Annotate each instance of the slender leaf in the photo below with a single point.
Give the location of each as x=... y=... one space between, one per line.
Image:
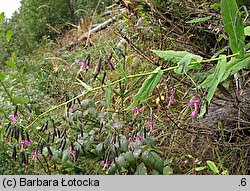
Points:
x=86 y=86
x=147 y=88
x=9 y=35
x=200 y=168
x=107 y=94
x=1 y=17
x=218 y=74
x=233 y=25
x=199 y=20
x=212 y=167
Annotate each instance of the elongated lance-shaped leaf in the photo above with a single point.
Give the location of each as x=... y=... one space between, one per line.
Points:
x=218 y=74
x=232 y=67
x=176 y=56
x=107 y=94
x=233 y=25
x=147 y=88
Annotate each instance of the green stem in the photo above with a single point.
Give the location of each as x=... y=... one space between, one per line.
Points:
x=115 y=82
x=11 y=99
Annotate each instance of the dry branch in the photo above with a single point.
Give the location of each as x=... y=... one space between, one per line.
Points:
x=94 y=30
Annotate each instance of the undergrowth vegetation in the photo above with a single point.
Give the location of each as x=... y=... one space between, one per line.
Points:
x=148 y=92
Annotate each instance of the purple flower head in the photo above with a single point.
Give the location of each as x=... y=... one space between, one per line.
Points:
x=139 y=138
x=194 y=101
x=131 y=139
x=81 y=63
x=136 y=110
x=197 y=107
x=151 y=123
x=25 y=143
x=106 y=164
x=14 y=117
x=72 y=152
x=34 y=154
x=194 y=114
x=171 y=98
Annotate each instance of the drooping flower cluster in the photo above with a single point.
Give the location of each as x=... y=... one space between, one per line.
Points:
x=83 y=65
x=35 y=155
x=106 y=164
x=136 y=110
x=197 y=107
x=138 y=138
x=151 y=124
x=73 y=153
x=171 y=98
x=25 y=143
x=14 y=117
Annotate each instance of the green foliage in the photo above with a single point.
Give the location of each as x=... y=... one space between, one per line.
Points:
x=199 y=20
x=212 y=167
x=233 y=25
x=147 y=88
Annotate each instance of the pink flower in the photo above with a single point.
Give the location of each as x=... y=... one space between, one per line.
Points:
x=140 y=139
x=73 y=153
x=83 y=65
x=35 y=155
x=151 y=123
x=106 y=164
x=197 y=107
x=136 y=110
x=171 y=98
x=25 y=143
x=131 y=139
x=14 y=117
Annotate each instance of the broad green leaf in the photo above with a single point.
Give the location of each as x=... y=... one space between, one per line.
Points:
x=184 y=63
x=147 y=88
x=1 y=17
x=11 y=64
x=247 y=31
x=167 y=170
x=218 y=74
x=168 y=161
x=212 y=167
x=199 y=20
x=232 y=67
x=153 y=159
x=141 y=169
x=121 y=162
x=2 y=76
x=200 y=168
x=236 y=65
x=66 y=155
x=129 y=156
x=20 y=100
x=233 y=25
x=175 y=56
x=9 y=35
x=107 y=94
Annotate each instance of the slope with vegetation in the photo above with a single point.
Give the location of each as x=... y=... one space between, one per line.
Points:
x=125 y=87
